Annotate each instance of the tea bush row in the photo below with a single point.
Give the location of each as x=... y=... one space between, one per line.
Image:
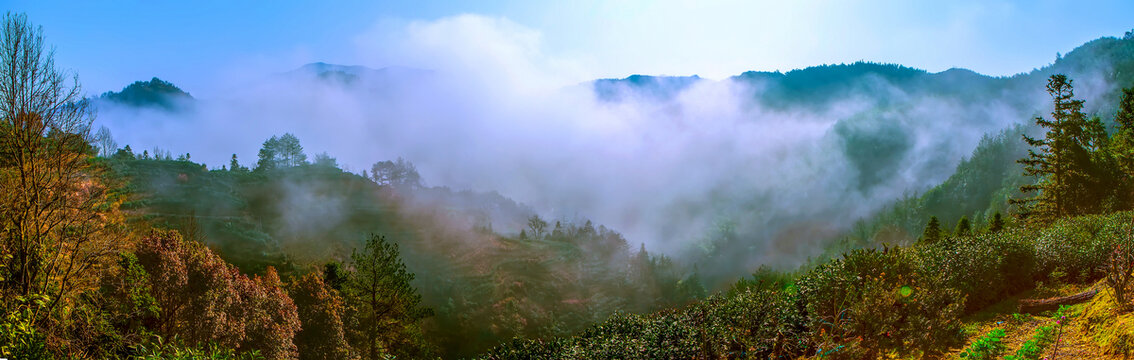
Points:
x=865 y=304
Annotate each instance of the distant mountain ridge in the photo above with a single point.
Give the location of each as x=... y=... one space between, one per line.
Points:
x=1113 y=57
x=807 y=86
x=353 y=74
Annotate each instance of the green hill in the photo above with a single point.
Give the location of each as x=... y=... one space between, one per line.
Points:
x=154 y=93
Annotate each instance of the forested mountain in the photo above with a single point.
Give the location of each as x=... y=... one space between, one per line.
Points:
x=883 y=133
x=552 y=279
x=836 y=187
x=898 y=129
x=887 y=138
x=362 y=77
x=1108 y=58
x=155 y=93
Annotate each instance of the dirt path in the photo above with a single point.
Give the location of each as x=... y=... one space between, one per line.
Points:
x=1076 y=344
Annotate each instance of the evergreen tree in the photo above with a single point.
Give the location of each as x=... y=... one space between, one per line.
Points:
x=290 y=152
x=1067 y=166
x=325 y=160
x=996 y=224
x=334 y=275
x=398 y=173
x=557 y=233
x=268 y=155
x=932 y=233
x=124 y=154
x=1122 y=146
x=964 y=228
x=234 y=165
x=281 y=152
x=387 y=308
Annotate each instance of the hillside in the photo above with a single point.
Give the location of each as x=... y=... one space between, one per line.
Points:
x=1109 y=58
x=906 y=302
x=851 y=211
x=483 y=287
x=155 y=93
x=869 y=134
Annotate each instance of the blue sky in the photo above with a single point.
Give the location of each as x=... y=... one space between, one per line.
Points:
x=196 y=44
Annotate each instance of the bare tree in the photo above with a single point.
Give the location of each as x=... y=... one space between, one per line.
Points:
x=537 y=225
x=105 y=142
x=55 y=212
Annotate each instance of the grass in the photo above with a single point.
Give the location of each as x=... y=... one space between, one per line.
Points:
x=1033 y=336
x=988 y=347
x=1108 y=328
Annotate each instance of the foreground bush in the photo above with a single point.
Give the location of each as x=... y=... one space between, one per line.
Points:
x=988 y=347
x=872 y=301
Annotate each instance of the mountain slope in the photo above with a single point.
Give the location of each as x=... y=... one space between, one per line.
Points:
x=154 y=93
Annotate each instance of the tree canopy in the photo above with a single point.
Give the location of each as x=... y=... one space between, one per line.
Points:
x=281 y=152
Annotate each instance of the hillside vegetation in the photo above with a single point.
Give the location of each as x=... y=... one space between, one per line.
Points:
x=106 y=252
x=907 y=301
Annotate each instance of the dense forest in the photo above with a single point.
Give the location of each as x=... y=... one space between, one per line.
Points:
x=112 y=252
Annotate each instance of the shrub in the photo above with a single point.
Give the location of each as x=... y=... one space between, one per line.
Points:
x=1079 y=246
x=869 y=303
x=1120 y=271
x=19 y=338
x=761 y=324
x=1033 y=348
x=872 y=301
x=157 y=348
x=984 y=268
x=988 y=347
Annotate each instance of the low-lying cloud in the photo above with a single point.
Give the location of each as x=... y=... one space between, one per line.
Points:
x=489 y=111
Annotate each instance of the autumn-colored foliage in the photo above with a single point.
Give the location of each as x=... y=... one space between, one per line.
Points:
x=321 y=312
x=57 y=216
x=204 y=299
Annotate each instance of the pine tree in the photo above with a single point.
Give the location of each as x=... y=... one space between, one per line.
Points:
x=1066 y=164
x=234 y=165
x=281 y=152
x=1122 y=146
x=399 y=173
x=996 y=224
x=964 y=228
x=290 y=152
x=268 y=155
x=932 y=233
x=387 y=307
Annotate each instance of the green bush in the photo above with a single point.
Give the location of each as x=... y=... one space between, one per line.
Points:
x=759 y=324
x=865 y=304
x=1079 y=246
x=158 y=348
x=985 y=268
x=872 y=301
x=19 y=339
x=1033 y=348
x=988 y=347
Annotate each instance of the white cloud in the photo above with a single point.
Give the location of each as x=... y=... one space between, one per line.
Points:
x=495 y=114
